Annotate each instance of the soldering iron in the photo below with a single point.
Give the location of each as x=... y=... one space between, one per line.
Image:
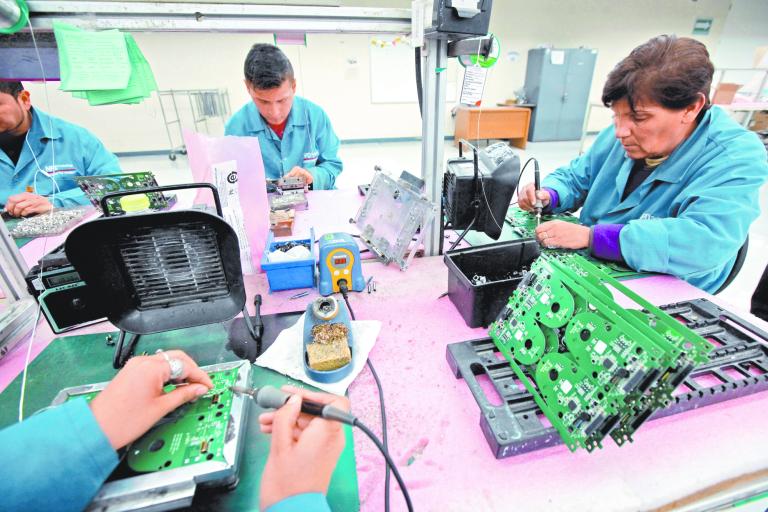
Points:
x=537 y=206
x=269 y=397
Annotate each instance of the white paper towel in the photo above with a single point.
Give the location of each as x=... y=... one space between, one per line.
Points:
x=286 y=354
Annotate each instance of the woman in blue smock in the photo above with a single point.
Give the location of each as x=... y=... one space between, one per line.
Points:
x=672 y=186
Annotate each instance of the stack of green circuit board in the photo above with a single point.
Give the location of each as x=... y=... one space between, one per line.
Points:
x=593 y=367
x=524 y=225
x=193 y=433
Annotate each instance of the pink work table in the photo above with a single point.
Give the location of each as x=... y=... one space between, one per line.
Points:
x=433 y=420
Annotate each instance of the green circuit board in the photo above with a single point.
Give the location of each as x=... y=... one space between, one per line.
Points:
x=524 y=224
x=193 y=433
x=594 y=368
x=96 y=187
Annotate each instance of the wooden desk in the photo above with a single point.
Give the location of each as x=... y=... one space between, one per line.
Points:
x=495 y=123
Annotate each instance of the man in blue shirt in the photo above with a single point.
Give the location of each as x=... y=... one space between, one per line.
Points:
x=40 y=155
x=295 y=135
x=58 y=459
x=672 y=186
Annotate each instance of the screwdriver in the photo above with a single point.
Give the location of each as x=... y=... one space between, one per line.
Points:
x=269 y=397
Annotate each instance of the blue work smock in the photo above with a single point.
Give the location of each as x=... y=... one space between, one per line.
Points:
x=59 y=459
x=308 y=142
x=55 y=460
x=690 y=216
x=59 y=152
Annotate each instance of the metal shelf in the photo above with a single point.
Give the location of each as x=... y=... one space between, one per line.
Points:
x=205 y=17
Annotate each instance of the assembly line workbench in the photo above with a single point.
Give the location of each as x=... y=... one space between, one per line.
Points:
x=433 y=420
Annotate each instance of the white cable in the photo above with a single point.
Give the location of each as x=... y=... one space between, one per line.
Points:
x=480 y=113
x=40 y=170
x=26 y=363
x=53 y=199
x=488 y=205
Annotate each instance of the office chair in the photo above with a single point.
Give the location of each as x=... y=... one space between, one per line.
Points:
x=740 y=257
x=759 y=306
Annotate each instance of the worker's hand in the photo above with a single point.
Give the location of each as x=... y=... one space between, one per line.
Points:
x=559 y=234
x=134 y=401
x=301 y=173
x=304 y=448
x=27 y=203
x=527 y=198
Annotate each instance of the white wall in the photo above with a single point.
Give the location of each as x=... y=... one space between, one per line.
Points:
x=198 y=61
x=212 y=60
x=745 y=29
x=612 y=27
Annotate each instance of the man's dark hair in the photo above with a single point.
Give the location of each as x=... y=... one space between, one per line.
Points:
x=267 y=67
x=12 y=88
x=667 y=70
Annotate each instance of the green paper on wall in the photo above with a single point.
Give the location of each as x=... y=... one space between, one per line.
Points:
x=140 y=86
x=105 y=67
x=91 y=60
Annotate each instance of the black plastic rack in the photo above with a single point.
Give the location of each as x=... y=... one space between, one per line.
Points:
x=515 y=425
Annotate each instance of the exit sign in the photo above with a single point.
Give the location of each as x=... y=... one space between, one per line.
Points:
x=701 y=26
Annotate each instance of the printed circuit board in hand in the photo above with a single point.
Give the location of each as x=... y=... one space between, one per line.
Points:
x=193 y=433
x=524 y=225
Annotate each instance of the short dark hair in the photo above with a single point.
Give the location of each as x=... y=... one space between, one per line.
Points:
x=12 y=88
x=267 y=67
x=667 y=70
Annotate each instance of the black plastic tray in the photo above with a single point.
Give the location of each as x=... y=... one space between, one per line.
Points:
x=501 y=265
x=738 y=366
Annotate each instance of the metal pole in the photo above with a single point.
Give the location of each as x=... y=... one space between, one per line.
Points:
x=218 y=17
x=20 y=311
x=434 y=63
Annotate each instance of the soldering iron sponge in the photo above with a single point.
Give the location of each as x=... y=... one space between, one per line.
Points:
x=329 y=349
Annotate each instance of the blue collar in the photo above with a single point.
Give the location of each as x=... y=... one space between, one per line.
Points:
x=296 y=117
x=43 y=126
x=679 y=162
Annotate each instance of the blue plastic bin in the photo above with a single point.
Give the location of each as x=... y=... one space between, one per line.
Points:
x=289 y=275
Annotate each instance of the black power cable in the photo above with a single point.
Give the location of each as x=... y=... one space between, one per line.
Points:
x=269 y=397
x=345 y=293
x=520 y=176
x=419 y=86
x=390 y=463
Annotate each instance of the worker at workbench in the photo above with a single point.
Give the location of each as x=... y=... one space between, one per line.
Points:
x=58 y=459
x=41 y=154
x=295 y=135
x=672 y=186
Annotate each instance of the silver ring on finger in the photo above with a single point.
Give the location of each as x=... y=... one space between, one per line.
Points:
x=176 y=365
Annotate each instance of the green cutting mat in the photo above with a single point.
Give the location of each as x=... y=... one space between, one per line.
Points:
x=77 y=360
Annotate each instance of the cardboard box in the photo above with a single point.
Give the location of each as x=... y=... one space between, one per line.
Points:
x=759 y=121
x=724 y=93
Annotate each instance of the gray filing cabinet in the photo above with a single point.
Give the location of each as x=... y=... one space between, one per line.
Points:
x=558 y=82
